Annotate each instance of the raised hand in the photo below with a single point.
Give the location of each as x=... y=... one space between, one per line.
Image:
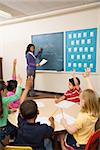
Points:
x=40 y=49
x=74 y=73
x=19 y=80
x=29 y=82
x=86 y=73
x=15 y=61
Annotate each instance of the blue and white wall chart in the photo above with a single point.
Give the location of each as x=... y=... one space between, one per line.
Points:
x=81 y=49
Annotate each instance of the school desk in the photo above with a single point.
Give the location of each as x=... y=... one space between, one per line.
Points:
x=47 y=108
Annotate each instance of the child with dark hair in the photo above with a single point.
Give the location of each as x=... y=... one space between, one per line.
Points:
x=11 y=87
x=73 y=93
x=6 y=128
x=30 y=132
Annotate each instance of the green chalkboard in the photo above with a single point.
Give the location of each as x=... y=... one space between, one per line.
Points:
x=53 y=50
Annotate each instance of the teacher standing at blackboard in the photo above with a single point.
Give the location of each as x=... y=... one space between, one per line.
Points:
x=31 y=63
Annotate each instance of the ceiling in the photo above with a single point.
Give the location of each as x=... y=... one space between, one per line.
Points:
x=24 y=8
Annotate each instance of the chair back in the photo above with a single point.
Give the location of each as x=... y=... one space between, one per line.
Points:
x=94 y=141
x=18 y=148
x=97 y=125
x=68 y=147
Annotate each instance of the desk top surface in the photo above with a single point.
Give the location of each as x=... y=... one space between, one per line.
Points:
x=48 y=108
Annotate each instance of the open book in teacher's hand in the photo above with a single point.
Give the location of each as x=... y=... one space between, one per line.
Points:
x=43 y=61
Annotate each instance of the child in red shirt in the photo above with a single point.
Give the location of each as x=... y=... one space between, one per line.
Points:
x=73 y=93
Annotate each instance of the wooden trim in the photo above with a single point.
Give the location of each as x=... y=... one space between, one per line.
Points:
x=1 y=69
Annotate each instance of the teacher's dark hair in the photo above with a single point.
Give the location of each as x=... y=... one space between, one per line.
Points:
x=28 y=48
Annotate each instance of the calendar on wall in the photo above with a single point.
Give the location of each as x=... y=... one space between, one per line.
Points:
x=81 y=50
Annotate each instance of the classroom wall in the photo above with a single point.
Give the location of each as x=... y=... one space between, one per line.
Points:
x=14 y=39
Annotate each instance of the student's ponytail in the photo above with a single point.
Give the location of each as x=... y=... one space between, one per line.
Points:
x=1 y=107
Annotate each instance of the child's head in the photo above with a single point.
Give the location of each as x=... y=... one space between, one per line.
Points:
x=72 y=83
x=11 y=85
x=30 y=48
x=89 y=102
x=29 y=109
x=78 y=81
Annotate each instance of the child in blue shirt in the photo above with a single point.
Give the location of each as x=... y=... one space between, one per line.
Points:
x=30 y=132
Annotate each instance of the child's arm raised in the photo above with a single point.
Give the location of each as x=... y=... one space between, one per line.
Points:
x=14 y=69
x=86 y=76
x=28 y=85
x=17 y=94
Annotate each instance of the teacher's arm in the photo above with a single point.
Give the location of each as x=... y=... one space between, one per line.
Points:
x=39 y=53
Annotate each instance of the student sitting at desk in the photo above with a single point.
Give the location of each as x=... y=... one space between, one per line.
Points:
x=6 y=128
x=84 y=126
x=73 y=93
x=30 y=132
